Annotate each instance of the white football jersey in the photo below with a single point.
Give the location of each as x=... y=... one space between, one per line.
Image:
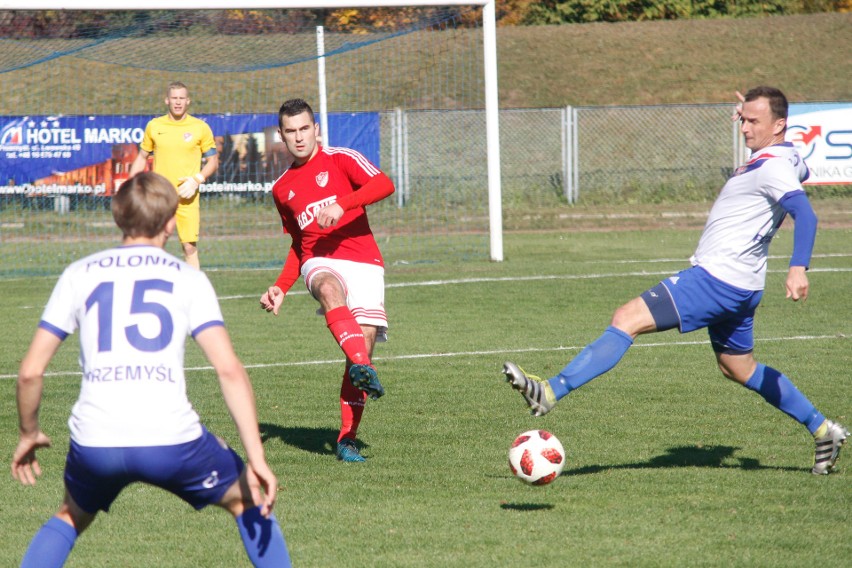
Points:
x=747 y=214
x=134 y=307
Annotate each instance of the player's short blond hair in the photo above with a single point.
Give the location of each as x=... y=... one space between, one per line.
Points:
x=176 y=85
x=144 y=204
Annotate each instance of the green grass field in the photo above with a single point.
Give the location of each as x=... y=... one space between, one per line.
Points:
x=669 y=464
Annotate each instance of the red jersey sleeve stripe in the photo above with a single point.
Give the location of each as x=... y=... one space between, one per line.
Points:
x=365 y=164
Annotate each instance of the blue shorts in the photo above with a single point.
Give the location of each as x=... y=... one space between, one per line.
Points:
x=693 y=299
x=199 y=472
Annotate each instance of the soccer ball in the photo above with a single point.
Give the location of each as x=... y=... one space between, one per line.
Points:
x=536 y=457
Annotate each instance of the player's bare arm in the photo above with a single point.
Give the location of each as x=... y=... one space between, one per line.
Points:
x=25 y=466
x=210 y=166
x=272 y=299
x=738 y=110
x=260 y=475
x=797 y=283
x=239 y=398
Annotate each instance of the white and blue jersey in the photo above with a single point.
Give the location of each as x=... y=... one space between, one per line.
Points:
x=134 y=307
x=748 y=212
x=725 y=284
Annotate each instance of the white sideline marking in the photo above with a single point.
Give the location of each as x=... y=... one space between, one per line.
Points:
x=771 y=256
x=532 y=278
x=495 y=352
x=510 y=279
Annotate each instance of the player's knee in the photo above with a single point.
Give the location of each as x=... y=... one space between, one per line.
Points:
x=71 y=513
x=620 y=317
x=726 y=371
x=738 y=368
x=634 y=318
x=328 y=290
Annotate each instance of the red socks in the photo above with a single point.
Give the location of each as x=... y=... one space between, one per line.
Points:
x=352 y=401
x=350 y=337
x=348 y=334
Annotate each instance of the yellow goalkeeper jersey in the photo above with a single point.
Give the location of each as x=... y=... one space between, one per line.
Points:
x=177 y=146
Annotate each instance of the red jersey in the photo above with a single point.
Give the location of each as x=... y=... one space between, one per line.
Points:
x=302 y=191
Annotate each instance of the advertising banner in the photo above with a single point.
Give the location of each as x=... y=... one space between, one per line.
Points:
x=91 y=155
x=822 y=132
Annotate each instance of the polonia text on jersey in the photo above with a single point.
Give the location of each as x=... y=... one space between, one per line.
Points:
x=132 y=261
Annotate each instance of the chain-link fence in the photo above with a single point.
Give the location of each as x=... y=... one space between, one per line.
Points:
x=651 y=154
x=553 y=157
x=634 y=154
x=550 y=159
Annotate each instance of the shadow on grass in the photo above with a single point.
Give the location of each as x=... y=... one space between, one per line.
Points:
x=526 y=506
x=688 y=456
x=321 y=441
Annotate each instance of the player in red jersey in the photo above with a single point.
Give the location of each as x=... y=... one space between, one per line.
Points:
x=321 y=199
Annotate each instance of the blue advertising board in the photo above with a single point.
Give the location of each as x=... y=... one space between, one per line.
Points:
x=38 y=148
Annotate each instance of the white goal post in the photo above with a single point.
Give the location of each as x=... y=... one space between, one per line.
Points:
x=489 y=62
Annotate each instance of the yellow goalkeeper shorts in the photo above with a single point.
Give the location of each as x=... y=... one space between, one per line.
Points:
x=189 y=219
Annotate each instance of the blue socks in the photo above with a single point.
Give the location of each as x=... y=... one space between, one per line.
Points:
x=607 y=350
x=595 y=359
x=778 y=391
x=263 y=540
x=51 y=545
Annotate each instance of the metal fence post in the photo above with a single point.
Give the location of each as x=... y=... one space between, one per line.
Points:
x=568 y=153
x=575 y=157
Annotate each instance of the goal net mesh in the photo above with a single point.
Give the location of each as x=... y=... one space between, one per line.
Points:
x=404 y=86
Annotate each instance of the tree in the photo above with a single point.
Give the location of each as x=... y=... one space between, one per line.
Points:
x=581 y=11
x=512 y=12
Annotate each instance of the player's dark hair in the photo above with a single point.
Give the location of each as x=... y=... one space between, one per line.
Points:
x=777 y=101
x=144 y=204
x=294 y=107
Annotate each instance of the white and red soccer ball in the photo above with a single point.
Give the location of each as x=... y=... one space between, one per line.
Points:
x=536 y=457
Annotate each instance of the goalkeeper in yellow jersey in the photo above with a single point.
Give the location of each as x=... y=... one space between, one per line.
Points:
x=179 y=143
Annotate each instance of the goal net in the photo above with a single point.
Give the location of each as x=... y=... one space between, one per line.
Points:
x=404 y=86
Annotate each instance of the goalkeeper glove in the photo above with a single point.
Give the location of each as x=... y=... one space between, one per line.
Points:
x=189 y=186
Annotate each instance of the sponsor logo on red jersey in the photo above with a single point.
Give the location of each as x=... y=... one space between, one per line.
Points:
x=307 y=216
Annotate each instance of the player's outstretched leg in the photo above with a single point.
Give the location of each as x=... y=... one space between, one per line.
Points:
x=365 y=378
x=537 y=393
x=51 y=545
x=347 y=451
x=828 y=447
